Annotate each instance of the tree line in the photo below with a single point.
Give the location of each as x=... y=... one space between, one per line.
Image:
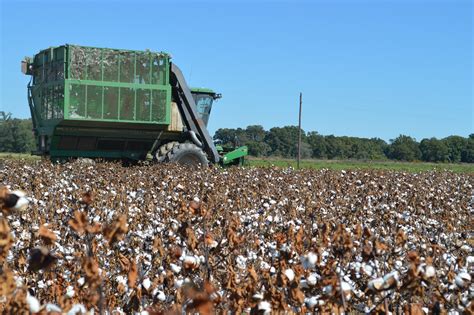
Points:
x=283 y=142
x=16 y=136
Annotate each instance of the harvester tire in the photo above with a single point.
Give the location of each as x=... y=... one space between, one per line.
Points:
x=187 y=154
x=163 y=151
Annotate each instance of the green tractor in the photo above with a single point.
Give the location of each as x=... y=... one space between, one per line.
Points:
x=89 y=102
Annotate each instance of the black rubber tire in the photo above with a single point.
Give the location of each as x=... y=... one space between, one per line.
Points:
x=187 y=154
x=163 y=151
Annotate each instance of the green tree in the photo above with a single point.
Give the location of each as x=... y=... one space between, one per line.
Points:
x=258 y=148
x=317 y=144
x=467 y=154
x=336 y=147
x=283 y=141
x=434 y=150
x=229 y=136
x=6 y=136
x=456 y=145
x=255 y=136
x=255 y=133
x=15 y=134
x=404 y=148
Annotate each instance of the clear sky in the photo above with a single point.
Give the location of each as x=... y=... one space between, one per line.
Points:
x=369 y=68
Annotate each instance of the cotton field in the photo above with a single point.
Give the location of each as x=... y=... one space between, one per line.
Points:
x=162 y=239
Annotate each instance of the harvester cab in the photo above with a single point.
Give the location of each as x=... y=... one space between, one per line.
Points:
x=204 y=98
x=118 y=104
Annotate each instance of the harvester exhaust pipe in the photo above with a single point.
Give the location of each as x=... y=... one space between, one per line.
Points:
x=195 y=139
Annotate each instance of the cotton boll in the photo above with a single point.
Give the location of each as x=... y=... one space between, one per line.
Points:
x=290 y=274
x=175 y=268
x=462 y=279
x=312 y=279
x=346 y=289
x=258 y=296
x=265 y=306
x=161 y=296
x=430 y=272
x=53 y=308
x=390 y=280
x=191 y=262
x=146 y=283
x=77 y=309
x=70 y=291
x=22 y=202
x=309 y=260
x=376 y=284
x=368 y=269
x=327 y=289
x=33 y=303
x=178 y=283
x=311 y=302
x=81 y=281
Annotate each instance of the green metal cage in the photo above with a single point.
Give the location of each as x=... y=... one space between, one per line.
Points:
x=78 y=83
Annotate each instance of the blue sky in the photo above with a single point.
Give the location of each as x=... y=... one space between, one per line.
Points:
x=368 y=68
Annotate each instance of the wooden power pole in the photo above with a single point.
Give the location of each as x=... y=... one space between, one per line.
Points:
x=299 y=133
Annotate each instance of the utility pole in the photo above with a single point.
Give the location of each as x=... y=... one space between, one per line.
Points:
x=299 y=133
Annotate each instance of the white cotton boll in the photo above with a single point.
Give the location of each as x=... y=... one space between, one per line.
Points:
x=311 y=302
x=265 y=306
x=258 y=296
x=312 y=279
x=175 y=268
x=304 y=284
x=77 y=309
x=191 y=262
x=120 y=279
x=33 y=303
x=212 y=244
x=144 y=313
x=161 y=296
x=22 y=202
x=391 y=279
x=430 y=272
x=146 y=283
x=346 y=286
x=327 y=289
x=376 y=284
x=309 y=260
x=81 y=281
x=346 y=289
x=470 y=260
x=70 y=291
x=466 y=248
x=462 y=279
x=241 y=262
x=52 y=308
x=368 y=269
x=290 y=274
x=178 y=283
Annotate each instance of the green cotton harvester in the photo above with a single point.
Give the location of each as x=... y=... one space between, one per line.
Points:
x=88 y=102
